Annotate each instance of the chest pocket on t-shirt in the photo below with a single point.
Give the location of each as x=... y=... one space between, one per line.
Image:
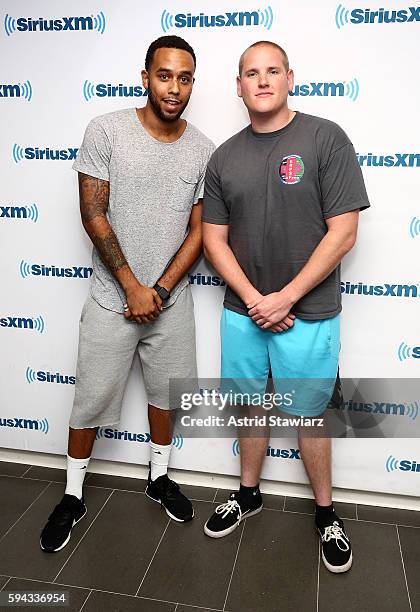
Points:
x=183 y=193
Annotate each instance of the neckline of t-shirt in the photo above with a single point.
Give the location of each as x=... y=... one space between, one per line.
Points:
x=141 y=127
x=281 y=131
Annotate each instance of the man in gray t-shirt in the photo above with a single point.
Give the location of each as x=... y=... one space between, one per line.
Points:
x=141 y=179
x=281 y=207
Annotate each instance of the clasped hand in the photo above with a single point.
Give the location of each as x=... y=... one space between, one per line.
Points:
x=272 y=312
x=143 y=305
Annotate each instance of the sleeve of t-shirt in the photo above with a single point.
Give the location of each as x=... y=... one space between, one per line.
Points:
x=342 y=185
x=199 y=190
x=95 y=153
x=215 y=210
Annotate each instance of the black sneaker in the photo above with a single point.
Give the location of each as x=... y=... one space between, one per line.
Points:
x=227 y=517
x=336 y=549
x=63 y=518
x=166 y=492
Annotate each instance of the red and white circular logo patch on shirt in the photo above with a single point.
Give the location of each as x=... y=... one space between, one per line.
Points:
x=291 y=169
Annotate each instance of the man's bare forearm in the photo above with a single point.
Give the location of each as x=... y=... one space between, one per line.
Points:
x=94 y=200
x=222 y=258
x=184 y=259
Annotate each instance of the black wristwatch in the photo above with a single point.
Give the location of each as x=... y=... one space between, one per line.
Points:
x=163 y=293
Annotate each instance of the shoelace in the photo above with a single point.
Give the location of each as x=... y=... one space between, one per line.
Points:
x=336 y=532
x=230 y=506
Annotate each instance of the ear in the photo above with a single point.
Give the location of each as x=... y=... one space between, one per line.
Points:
x=145 y=79
x=290 y=79
x=238 y=86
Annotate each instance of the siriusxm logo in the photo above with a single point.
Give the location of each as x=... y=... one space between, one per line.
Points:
x=349 y=89
x=407 y=352
x=40 y=425
x=263 y=18
x=395 y=160
x=35 y=323
x=29 y=211
x=18 y=90
x=368 y=16
x=414 y=227
x=409 y=410
x=63 y=24
x=19 y=153
x=277 y=453
x=27 y=269
x=107 y=90
x=406 y=465
x=49 y=377
x=128 y=436
x=206 y=279
x=384 y=290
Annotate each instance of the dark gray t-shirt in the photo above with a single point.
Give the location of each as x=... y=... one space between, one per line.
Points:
x=275 y=191
x=153 y=186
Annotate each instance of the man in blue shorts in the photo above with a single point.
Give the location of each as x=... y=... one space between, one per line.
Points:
x=281 y=207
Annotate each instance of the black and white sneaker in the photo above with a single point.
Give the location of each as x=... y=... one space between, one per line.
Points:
x=228 y=516
x=336 y=549
x=56 y=533
x=166 y=492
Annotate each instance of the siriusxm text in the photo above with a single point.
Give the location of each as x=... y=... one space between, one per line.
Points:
x=27 y=24
x=396 y=160
x=73 y=272
x=366 y=15
x=384 y=290
x=20 y=423
x=50 y=154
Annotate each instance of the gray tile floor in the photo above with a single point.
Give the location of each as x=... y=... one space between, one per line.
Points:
x=127 y=555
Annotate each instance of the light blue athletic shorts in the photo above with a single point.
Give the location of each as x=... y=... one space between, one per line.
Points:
x=303 y=361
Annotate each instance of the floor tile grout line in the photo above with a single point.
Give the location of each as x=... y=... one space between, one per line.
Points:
x=176 y=607
x=88 y=595
x=23 y=514
x=234 y=565
x=153 y=556
x=215 y=495
x=402 y=561
x=26 y=471
x=83 y=536
x=284 y=503
x=6 y=583
x=317 y=582
x=357 y=512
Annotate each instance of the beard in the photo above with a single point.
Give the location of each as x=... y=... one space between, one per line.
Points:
x=159 y=112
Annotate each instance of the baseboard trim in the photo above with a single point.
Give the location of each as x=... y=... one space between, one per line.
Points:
x=220 y=481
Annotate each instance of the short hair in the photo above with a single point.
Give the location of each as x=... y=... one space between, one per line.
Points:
x=167 y=42
x=260 y=43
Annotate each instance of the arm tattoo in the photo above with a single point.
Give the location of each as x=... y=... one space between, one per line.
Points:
x=110 y=251
x=94 y=199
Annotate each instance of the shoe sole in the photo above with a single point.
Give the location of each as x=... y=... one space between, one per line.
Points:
x=67 y=540
x=225 y=532
x=174 y=518
x=338 y=569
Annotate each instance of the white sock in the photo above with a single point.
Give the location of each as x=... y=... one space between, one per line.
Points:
x=159 y=459
x=76 y=471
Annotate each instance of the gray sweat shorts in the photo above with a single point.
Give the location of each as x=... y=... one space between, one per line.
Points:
x=107 y=344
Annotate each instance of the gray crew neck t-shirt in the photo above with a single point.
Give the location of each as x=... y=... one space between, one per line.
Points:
x=153 y=186
x=275 y=191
